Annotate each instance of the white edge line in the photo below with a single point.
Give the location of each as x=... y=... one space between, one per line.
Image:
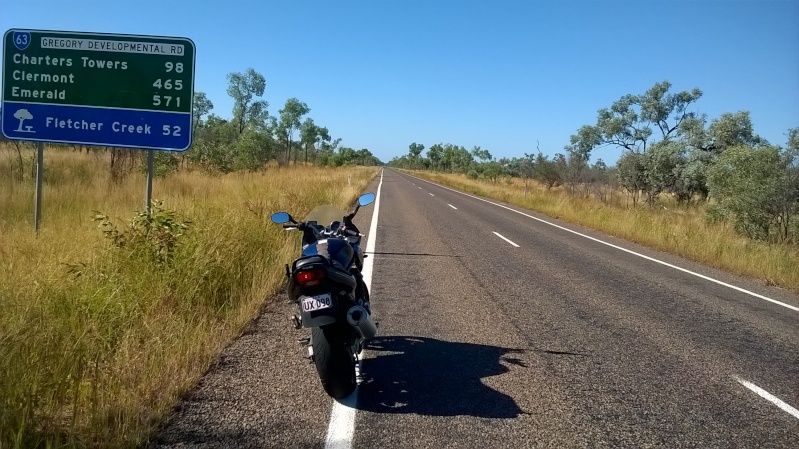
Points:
x=707 y=278
x=450 y=205
x=505 y=239
x=769 y=397
x=342 y=417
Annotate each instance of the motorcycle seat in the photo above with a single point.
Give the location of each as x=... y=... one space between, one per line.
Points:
x=310 y=260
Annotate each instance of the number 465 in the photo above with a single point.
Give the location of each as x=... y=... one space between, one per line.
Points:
x=172 y=130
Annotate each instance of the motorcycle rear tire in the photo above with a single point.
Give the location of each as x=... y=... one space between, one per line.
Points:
x=334 y=361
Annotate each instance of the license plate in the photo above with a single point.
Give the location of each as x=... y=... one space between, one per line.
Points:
x=317 y=302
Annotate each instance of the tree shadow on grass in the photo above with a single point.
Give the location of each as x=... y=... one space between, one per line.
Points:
x=432 y=377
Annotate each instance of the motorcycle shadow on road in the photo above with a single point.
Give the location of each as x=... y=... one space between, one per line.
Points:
x=427 y=376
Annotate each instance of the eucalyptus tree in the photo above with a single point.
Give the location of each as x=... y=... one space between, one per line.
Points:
x=290 y=121
x=244 y=89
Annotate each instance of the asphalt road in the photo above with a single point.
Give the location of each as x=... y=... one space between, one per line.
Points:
x=499 y=330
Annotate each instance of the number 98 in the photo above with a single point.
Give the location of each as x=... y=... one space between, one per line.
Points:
x=178 y=68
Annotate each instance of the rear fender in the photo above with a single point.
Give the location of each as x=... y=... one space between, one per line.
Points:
x=337 y=312
x=339 y=284
x=322 y=317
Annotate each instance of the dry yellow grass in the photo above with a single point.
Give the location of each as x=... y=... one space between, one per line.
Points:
x=96 y=342
x=679 y=230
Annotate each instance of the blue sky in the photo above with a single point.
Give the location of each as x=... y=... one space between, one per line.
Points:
x=381 y=74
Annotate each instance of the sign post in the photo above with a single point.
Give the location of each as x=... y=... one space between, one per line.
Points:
x=148 y=197
x=39 y=178
x=112 y=90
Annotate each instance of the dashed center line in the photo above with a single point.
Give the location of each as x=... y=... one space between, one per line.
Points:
x=505 y=239
x=769 y=397
x=450 y=205
x=629 y=251
x=432 y=194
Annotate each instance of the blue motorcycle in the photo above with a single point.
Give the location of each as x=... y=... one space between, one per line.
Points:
x=327 y=285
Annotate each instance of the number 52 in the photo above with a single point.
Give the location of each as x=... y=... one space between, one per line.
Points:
x=171 y=130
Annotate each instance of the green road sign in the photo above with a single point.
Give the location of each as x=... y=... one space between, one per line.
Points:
x=98 y=89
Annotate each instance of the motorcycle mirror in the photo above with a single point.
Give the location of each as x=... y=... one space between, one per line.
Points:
x=366 y=199
x=281 y=217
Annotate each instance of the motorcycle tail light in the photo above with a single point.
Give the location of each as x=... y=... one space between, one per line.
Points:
x=310 y=277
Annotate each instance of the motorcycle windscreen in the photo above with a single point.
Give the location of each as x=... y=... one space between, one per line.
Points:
x=326 y=214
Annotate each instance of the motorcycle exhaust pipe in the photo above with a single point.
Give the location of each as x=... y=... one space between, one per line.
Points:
x=360 y=319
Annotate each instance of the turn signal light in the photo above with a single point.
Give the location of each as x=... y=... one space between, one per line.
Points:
x=310 y=277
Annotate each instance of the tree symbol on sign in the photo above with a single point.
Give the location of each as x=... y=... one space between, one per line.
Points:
x=22 y=115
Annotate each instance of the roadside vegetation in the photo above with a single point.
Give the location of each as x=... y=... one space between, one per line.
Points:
x=709 y=190
x=111 y=313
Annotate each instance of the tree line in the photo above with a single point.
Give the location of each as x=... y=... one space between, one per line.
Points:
x=252 y=137
x=667 y=149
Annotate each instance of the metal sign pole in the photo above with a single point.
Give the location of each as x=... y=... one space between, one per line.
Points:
x=39 y=175
x=150 y=164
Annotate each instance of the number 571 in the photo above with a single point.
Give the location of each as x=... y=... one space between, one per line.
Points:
x=167 y=100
